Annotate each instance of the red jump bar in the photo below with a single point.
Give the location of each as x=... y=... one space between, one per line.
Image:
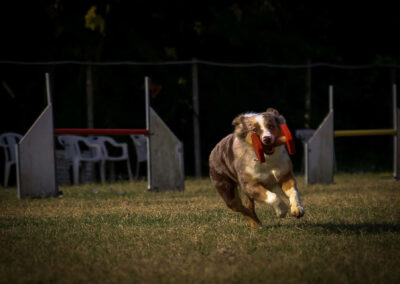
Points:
x=100 y=131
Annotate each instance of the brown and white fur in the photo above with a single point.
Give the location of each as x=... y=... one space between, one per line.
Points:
x=234 y=163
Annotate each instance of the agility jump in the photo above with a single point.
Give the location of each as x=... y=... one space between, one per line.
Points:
x=36 y=163
x=319 y=149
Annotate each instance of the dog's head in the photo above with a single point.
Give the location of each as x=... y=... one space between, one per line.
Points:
x=266 y=125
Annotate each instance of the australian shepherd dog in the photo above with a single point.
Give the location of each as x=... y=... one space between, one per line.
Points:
x=233 y=164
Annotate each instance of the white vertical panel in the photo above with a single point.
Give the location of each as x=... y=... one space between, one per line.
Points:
x=36 y=159
x=320 y=153
x=166 y=157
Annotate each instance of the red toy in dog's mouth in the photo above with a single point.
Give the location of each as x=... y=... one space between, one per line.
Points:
x=260 y=148
x=269 y=149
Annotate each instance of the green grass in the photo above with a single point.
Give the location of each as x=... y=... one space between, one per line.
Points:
x=350 y=234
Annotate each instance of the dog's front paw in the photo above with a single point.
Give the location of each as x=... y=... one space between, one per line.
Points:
x=297 y=211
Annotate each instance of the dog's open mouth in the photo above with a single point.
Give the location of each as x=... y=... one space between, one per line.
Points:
x=268 y=150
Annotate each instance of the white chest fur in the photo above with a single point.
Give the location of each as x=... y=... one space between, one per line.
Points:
x=274 y=167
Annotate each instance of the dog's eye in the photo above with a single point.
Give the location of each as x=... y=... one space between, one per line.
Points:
x=270 y=127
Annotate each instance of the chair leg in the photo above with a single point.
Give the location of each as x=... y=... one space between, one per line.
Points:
x=103 y=171
x=112 y=171
x=129 y=169
x=75 y=172
x=6 y=174
x=137 y=170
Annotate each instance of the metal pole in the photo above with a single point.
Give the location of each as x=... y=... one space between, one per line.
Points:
x=306 y=170
x=17 y=168
x=196 y=123
x=396 y=174
x=49 y=105
x=48 y=90
x=307 y=103
x=334 y=168
x=148 y=137
x=89 y=97
x=397 y=177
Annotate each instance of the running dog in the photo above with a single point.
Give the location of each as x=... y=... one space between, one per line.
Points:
x=233 y=163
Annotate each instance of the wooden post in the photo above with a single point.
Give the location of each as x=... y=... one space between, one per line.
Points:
x=307 y=105
x=196 y=122
x=397 y=152
x=397 y=149
x=396 y=138
x=89 y=97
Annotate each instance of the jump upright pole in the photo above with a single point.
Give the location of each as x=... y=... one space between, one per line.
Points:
x=322 y=150
x=36 y=170
x=48 y=88
x=147 y=99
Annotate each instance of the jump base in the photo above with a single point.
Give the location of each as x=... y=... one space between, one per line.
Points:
x=36 y=173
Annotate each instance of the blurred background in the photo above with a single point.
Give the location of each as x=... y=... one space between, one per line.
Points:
x=245 y=56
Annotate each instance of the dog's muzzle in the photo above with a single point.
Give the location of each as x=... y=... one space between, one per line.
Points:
x=268 y=146
x=267 y=140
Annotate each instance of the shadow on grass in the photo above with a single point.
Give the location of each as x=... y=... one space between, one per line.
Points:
x=349 y=229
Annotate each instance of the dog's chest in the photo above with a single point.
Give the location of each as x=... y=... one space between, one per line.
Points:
x=271 y=170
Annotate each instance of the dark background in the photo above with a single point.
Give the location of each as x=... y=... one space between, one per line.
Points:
x=358 y=38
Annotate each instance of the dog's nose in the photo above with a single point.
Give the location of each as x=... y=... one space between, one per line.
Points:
x=267 y=140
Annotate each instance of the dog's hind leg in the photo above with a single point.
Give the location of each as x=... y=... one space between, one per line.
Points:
x=229 y=193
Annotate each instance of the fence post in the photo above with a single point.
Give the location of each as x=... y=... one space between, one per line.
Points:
x=307 y=103
x=396 y=167
x=397 y=148
x=89 y=97
x=196 y=118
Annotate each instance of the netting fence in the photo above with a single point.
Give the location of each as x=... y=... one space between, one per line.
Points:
x=362 y=100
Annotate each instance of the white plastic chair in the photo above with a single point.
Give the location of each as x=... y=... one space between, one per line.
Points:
x=140 y=143
x=110 y=156
x=75 y=154
x=304 y=134
x=8 y=141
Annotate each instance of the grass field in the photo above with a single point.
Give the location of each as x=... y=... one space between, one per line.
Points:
x=120 y=233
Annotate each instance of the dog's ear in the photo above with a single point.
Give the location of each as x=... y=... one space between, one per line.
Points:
x=240 y=125
x=279 y=118
x=238 y=120
x=274 y=111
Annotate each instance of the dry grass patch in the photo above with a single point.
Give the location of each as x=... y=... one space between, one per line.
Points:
x=350 y=234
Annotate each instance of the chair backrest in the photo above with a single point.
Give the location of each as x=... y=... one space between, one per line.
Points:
x=8 y=141
x=73 y=149
x=304 y=134
x=140 y=143
x=102 y=141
